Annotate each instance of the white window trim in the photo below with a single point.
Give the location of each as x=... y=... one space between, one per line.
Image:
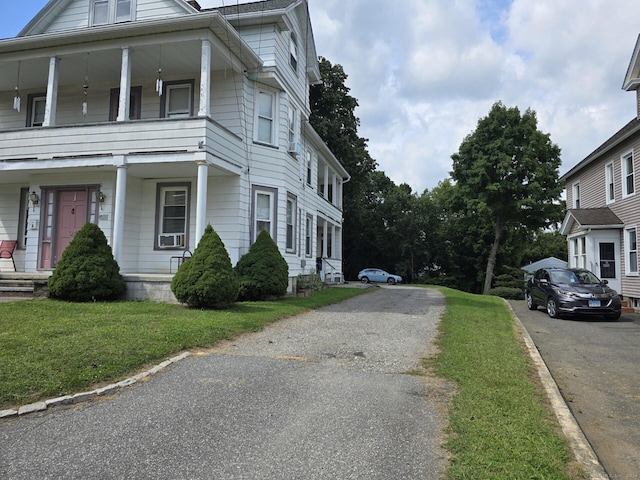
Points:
x=112 y=6
x=290 y=242
x=628 y=252
x=610 y=183
x=293 y=51
x=625 y=173
x=181 y=238
x=308 y=236
x=273 y=119
x=575 y=190
x=168 y=87
x=272 y=193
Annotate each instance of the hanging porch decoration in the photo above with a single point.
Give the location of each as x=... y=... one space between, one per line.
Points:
x=159 y=79
x=16 y=98
x=85 y=87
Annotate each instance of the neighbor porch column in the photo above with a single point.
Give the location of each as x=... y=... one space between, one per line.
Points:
x=325 y=236
x=119 y=207
x=51 y=104
x=125 y=86
x=201 y=200
x=205 y=79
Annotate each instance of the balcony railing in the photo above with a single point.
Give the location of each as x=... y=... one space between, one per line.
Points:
x=119 y=138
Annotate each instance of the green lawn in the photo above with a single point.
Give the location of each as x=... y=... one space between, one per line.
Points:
x=499 y=427
x=50 y=348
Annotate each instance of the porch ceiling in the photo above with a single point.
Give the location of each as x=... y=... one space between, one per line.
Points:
x=104 y=65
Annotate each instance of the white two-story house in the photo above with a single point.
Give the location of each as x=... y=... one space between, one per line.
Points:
x=154 y=118
x=602 y=222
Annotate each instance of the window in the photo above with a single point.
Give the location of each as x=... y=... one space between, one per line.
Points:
x=307 y=236
x=135 y=104
x=111 y=11
x=579 y=252
x=265 y=118
x=291 y=223
x=576 y=195
x=609 y=183
x=309 y=171
x=173 y=214
x=628 y=182
x=177 y=99
x=35 y=110
x=23 y=219
x=631 y=247
x=293 y=51
x=264 y=211
x=293 y=137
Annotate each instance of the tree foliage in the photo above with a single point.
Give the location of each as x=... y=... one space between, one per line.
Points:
x=207 y=279
x=87 y=270
x=263 y=271
x=507 y=173
x=491 y=215
x=333 y=118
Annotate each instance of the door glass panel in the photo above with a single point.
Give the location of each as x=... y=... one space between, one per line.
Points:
x=607 y=260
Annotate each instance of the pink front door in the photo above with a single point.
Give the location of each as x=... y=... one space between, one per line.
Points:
x=71 y=217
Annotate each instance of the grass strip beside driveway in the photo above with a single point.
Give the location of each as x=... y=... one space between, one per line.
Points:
x=50 y=348
x=500 y=428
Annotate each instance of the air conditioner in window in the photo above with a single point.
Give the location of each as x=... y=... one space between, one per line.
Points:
x=168 y=240
x=295 y=148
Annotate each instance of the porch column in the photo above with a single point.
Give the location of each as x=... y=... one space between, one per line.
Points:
x=325 y=175
x=201 y=200
x=125 y=86
x=205 y=79
x=325 y=235
x=334 y=183
x=51 y=104
x=118 y=213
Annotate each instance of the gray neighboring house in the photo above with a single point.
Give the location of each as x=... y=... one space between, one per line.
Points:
x=603 y=215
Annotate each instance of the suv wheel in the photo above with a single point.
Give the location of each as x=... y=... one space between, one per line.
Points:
x=552 y=308
x=531 y=304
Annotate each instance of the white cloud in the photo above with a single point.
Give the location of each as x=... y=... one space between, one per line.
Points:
x=425 y=71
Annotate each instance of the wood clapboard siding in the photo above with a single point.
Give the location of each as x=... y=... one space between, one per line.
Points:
x=76 y=15
x=593 y=195
x=147 y=9
x=118 y=138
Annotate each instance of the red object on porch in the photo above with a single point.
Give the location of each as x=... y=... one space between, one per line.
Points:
x=6 y=250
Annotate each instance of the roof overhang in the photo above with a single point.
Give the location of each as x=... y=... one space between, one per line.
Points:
x=570 y=220
x=212 y=21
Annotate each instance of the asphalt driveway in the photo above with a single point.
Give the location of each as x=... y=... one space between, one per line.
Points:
x=324 y=395
x=596 y=365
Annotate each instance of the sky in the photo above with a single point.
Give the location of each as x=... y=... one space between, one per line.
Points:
x=425 y=71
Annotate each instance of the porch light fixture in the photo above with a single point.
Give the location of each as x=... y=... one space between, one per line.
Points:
x=35 y=199
x=100 y=196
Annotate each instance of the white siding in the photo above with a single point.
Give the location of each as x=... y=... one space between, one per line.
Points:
x=76 y=15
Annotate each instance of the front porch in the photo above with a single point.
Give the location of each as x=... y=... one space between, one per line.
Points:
x=154 y=287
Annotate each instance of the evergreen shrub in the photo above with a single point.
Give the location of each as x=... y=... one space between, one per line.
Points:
x=263 y=271
x=87 y=270
x=207 y=279
x=508 y=293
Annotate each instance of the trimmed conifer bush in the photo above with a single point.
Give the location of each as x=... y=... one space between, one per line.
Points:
x=87 y=270
x=207 y=279
x=263 y=272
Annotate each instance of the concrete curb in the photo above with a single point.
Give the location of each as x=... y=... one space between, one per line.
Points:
x=579 y=444
x=84 y=396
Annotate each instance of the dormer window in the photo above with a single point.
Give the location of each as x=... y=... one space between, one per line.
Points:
x=111 y=11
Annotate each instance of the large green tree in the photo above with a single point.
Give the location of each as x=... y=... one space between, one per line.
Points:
x=507 y=173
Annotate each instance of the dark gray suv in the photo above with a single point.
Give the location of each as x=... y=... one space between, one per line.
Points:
x=572 y=291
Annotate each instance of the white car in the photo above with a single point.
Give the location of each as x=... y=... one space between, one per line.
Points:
x=377 y=275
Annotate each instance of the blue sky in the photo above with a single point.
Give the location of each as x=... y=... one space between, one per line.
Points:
x=425 y=71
